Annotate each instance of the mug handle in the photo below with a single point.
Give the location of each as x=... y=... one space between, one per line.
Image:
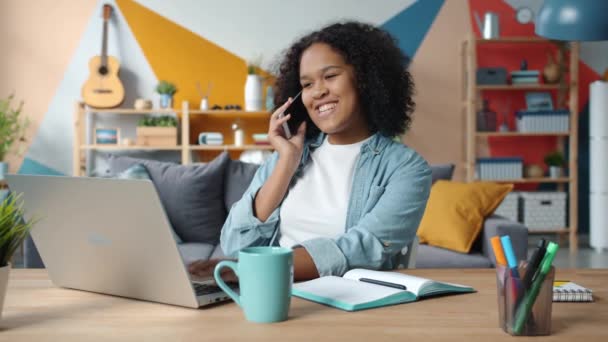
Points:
x=218 y=279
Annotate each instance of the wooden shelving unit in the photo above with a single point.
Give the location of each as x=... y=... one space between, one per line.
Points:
x=186 y=146
x=472 y=93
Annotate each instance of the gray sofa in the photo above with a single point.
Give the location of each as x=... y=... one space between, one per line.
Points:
x=211 y=189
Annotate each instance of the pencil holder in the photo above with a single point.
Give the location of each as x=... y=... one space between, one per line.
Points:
x=524 y=311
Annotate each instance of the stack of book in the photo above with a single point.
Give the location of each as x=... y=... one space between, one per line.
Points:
x=261 y=139
x=525 y=76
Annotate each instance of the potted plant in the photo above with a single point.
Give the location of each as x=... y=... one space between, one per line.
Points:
x=166 y=91
x=13 y=230
x=157 y=131
x=12 y=129
x=555 y=161
x=253 y=86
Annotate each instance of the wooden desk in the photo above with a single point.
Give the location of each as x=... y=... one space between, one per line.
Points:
x=35 y=310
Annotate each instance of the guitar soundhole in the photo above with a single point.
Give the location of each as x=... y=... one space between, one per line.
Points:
x=103 y=70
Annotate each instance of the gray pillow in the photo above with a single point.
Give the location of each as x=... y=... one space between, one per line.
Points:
x=237 y=179
x=442 y=171
x=192 y=195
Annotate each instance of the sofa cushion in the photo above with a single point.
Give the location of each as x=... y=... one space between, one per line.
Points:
x=236 y=180
x=192 y=195
x=436 y=257
x=455 y=212
x=442 y=171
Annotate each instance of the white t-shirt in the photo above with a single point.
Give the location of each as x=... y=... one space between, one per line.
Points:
x=316 y=206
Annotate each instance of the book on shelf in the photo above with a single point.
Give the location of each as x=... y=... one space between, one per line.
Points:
x=360 y=289
x=567 y=291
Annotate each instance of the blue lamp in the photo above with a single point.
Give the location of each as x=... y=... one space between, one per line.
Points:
x=573 y=20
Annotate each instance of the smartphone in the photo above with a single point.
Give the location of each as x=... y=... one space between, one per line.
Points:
x=298 y=115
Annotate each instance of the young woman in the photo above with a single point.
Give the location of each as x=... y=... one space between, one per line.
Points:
x=341 y=192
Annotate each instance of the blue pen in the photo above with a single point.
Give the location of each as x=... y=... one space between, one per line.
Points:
x=516 y=287
x=509 y=254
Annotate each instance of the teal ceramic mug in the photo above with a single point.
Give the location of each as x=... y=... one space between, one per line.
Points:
x=265 y=279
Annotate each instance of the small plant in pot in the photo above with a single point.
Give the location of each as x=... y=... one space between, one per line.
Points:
x=12 y=130
x=13 y=230
x=166 y=90
x=157 y=131
x=555 y=161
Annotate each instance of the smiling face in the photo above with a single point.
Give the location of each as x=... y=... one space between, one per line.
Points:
x=330 y=95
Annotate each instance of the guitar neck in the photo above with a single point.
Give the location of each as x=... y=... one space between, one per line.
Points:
x=104 y=45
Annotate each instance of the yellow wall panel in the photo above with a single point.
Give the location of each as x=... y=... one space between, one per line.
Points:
x=183 y=57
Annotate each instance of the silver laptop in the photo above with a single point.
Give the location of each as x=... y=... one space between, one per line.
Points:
x=109 y=236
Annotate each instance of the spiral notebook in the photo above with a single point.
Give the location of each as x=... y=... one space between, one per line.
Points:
x=567 y=291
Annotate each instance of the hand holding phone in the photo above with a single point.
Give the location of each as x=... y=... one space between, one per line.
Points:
x=297 y=111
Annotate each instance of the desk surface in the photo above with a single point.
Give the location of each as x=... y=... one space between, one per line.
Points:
x=35 y=310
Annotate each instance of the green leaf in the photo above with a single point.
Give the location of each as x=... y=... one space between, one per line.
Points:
x=13 y=228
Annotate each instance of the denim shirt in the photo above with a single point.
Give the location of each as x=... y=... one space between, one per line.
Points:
x=391 y=185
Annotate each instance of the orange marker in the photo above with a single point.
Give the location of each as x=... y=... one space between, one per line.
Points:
x=498 y=252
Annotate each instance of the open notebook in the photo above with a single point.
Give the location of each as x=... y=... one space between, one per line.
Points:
x=350 y=293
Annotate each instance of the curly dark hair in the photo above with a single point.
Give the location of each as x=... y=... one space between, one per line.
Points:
x=384 y=85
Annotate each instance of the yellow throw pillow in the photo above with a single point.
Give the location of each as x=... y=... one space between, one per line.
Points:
x=455 y=212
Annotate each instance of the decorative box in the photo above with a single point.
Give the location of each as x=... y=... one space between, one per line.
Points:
x=156 y=136
x=543 y=210
x=498 y=168
x=491 y=76
x=543 y=121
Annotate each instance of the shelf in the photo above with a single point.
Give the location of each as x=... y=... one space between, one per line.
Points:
x=131 y=111
x=529 y=180
x=231 y=113
x=520 y=87
x=129 y=148
x=229 y=147
x=513 y=40
x=549 y=231
x=521 y=134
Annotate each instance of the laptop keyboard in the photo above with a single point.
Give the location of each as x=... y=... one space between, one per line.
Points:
x=205 y=289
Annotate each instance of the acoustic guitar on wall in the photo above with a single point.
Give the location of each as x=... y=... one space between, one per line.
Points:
x=103 y=88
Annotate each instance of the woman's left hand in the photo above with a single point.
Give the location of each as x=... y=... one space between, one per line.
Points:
x=205 y=268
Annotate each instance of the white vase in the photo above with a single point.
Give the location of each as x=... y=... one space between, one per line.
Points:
x=253 y=93
x=555 y=171
x=4 y=271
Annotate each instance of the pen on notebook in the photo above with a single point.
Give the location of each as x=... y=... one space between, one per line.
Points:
x=534 y=263
x=383 y=283
x=524 y=310
x=498 y=252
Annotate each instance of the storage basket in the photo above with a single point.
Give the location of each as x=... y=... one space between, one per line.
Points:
x=499 y=168
x=543 y=210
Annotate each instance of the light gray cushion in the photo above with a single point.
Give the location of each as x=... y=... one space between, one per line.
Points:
x=442 y=171
x=236 y=180
x=192 y=195
x=435 y=257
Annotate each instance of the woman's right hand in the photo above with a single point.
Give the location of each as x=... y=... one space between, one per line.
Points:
x=288 y=149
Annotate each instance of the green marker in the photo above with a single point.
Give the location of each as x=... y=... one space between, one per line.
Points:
x=523 y=310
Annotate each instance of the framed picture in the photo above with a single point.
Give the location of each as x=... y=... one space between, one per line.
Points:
x=107 y=136
x=539 y=101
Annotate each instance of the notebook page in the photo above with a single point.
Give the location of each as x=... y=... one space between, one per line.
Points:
x=345 y=290
x=412 y=283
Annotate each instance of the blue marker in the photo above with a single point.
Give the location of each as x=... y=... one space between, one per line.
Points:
x=509 y=254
